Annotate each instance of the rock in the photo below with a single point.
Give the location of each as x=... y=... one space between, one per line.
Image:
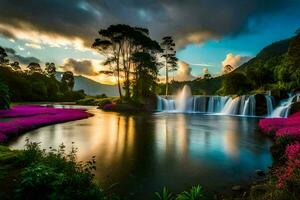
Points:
x=261 y=105
x=279 y=94
x=295 y=108
x=236 y=188
x=260 y=172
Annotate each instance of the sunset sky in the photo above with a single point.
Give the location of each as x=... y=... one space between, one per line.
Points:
x=208 y=34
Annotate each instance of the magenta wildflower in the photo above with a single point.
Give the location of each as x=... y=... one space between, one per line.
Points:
x=28 y=117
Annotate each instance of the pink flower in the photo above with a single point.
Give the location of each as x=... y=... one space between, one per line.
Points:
x=24 y=118
x=292 y=151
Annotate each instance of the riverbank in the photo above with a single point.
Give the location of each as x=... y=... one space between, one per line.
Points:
x=23 y=118
x=283 y=179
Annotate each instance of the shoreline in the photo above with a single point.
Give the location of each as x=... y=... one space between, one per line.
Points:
x=23 y=118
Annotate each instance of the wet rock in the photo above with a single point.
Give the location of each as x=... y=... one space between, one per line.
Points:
x=261 y=105
x=236 y=188
x=260 y=172
x=279 y=94
x=295 y=108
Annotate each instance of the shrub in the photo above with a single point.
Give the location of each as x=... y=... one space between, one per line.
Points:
x=55 y=175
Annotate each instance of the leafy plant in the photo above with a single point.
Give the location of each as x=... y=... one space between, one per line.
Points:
x=56 y=175
x=165 y=194
x=196 y=193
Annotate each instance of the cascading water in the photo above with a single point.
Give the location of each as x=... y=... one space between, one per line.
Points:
x=242 y=105
x=269 y=101
x=283 y=110
x=249 y=107
x=184 y=100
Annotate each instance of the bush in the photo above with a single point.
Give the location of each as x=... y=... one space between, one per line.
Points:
x=55 y=175
x=102 y=102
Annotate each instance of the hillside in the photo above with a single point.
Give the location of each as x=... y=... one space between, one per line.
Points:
x=269 y=52
x=274 y=67
x=91 y=87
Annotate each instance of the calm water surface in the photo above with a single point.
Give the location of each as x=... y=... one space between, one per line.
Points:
x=139 y=154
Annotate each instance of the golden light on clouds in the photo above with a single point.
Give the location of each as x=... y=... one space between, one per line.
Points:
x=28 y=33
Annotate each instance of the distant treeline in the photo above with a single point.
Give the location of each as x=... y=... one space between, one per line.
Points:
x=34 y=83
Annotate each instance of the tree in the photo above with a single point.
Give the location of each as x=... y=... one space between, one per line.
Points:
x=3 y=56
x=67 y=81
x=207 y=76
x=15 y=66
x=34 y=68
x=146 y=71
x=169 y=55
x=50 y=69
x=227 y=69
x=118 y=43
x=109 y=45
x=4 y=96
x=235 y=83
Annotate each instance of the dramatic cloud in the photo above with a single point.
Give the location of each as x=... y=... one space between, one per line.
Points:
x=184 y=72
x=23 y=60
x=34 y=46
x=234 y=60
x=76 y=22
x=82 y=67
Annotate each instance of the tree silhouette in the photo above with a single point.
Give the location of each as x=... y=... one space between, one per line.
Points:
x=50 y=69
x=118 y=43
x=3 y=56
x=15 y=66
x=227 y=69
x=67 y=81
x=169 y=53
x=34 y=68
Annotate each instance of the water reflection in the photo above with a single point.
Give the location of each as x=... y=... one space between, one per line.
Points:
x=143 y=153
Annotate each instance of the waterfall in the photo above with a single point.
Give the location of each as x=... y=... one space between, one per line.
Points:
x=231 y=107
x=250 y=106
x=184 y=100
x=269 y=101
x=283 y=110
x=243 y=105
x=200 y=104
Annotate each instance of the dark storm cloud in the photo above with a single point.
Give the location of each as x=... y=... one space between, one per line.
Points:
x=23 y=60
x=191 y=21
x=84 y=67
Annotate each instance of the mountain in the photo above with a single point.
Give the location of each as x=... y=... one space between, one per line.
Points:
x=271 y=68
x=271 y=51
x=91 y=87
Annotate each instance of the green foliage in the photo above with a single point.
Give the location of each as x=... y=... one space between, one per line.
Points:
x=55 y=175
x=269 y=191
x=130 y=52
x=4 y=96
x=196 y=193
x=165 y=194
x=36 y=87
x=67 y=81
x=235 y=83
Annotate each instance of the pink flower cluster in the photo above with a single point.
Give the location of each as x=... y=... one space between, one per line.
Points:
x=20 y=119
x=286 y=128
x=282 y=127
x=292 y=151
